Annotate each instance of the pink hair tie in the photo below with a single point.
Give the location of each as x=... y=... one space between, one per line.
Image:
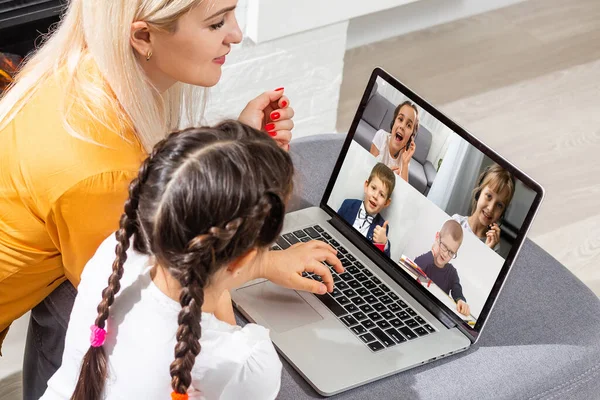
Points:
x=98 y=336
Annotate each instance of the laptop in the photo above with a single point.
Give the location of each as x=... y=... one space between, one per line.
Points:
x=388 y=314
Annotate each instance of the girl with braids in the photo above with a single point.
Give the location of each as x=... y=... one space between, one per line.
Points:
x=204 y=208
x=82 y=114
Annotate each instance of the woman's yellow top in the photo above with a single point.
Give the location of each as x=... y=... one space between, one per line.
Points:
x=60 y=197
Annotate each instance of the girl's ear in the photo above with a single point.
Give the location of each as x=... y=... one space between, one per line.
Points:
x=140 y=38
x=236 y=265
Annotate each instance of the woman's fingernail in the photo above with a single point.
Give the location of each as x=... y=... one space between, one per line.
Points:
x=272 y=133
x=283 y=104
x=322 y=289
x=279 y=89
x=270 y=127
x=275 y=116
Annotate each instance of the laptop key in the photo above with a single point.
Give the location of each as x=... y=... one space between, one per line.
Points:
x=374 y=316
x=367 y=323
x=367 y=337
x=336 y=278
x=359 y=316
x=275 y=247
x=351 y=308
x=349 y=320
x=376 y=280
x=336 y=292
x=291 y=238
x=385 y=339
x=393 y=295
x=396 y=323
x=281 y=242
x=388 y=315
x=379 y=307
x=408 y=333
x=333 y=306
x=369 y=285
x=334 y=243
x=342 y=250
x=383 y=324
x=362 y=291
x=343 y=300
x=354 y=284
x=394 y=334
x=358 y=329
x=411 y=312
x=342 y=285
x=305 y=239
x=346 y=276
x=312 y=232
x=352 y=269
x=360 y=277
x=366 y=308
x=403 y=315
x=377 y=292
x=350 y=257
x=394 y=307
x=429 y=328
x=319 y=229
x=376 y=346
x=411 y=323
x=371 y=299
x=358 y=301
x=419 y=319
x=368 y=273
x=385 y=288
x=358 y=264
x=350 y=293
x=402 y=304
x=346 y=263
x=421 y=331
x=317 y=278
x=386 y=299
x=300 y=234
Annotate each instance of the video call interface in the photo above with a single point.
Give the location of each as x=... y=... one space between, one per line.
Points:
x=439 y=208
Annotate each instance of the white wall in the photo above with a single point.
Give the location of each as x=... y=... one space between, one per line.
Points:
x=413 y=222
x=416 y=16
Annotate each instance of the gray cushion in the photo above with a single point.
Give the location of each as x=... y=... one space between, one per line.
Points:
x=430 y=173
x=416 y=176
x=423 y=143
x=364 y=134
x=540 y=342
x=375 y=111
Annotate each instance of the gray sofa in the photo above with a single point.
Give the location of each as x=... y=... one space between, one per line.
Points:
x=379 y=114
x=542 y=340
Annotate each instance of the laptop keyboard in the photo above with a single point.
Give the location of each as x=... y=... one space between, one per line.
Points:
x=368 y=307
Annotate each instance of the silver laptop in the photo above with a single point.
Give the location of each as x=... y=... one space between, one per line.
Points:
x=404 y=303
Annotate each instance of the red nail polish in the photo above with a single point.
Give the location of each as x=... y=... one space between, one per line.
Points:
x=272 y=133
x=275 y=116
x=269 y=127
x=283 y=104
x=279 y=89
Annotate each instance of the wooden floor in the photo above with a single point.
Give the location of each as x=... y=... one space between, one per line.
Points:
x=526 y=80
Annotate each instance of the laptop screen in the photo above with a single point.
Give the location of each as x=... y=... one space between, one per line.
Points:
x=446 y=210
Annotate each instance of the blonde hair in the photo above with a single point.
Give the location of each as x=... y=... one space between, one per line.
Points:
x=104 y=83
x=499 y=180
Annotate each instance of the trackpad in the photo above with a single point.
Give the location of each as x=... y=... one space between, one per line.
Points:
x=282 y=309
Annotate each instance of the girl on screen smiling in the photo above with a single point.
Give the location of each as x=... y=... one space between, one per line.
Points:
x=395 y=149
x=491 y=197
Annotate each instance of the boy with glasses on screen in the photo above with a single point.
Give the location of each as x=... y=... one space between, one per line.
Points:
x=436 y=265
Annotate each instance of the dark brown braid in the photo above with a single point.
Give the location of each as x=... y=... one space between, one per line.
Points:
x=205 y=197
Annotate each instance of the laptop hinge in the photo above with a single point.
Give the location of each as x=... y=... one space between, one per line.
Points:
x=410 y=285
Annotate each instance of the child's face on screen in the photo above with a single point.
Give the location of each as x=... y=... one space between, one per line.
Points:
x=403 y=128
x=444 y=249
x=490 y=206
x=376 y=196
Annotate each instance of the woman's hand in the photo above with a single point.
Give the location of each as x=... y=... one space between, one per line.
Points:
x=285 y=267
x=271 y=112
x=493 y=236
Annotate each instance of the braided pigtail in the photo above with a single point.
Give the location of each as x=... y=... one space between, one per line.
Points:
x=94 y=370
x=201 y=249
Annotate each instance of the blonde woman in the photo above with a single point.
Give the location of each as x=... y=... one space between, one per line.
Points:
x=81 y=116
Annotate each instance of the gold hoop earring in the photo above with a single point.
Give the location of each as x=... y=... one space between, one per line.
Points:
x=148 y=55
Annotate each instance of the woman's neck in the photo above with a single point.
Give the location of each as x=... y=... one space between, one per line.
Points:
x=395 y=155
x=478 y=229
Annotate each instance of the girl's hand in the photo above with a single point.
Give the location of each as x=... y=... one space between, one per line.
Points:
x=285 y=267
x=271 y=112
x=493 y=236
x=407 y=154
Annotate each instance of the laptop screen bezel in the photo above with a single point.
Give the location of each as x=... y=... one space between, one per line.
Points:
x=427 y=299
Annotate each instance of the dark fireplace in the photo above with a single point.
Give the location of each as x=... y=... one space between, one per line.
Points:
x=21 y=24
